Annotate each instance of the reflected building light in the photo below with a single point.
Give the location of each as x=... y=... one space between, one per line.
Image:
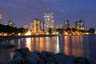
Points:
x=37 y=43
x=47 y=40
x=57 y=45
x=57 y=32
x=28 y=43
x=52 y=21
x=66 y=45
x=41 y=48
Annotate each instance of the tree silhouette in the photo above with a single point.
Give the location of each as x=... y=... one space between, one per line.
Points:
x=11 y=30
x=91 y=30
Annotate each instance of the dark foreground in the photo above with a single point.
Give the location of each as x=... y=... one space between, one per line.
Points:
x=24 y=56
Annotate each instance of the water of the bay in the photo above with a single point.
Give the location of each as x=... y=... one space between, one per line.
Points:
x=71 y=45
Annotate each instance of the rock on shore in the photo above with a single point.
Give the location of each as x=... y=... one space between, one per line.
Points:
x=24 y=56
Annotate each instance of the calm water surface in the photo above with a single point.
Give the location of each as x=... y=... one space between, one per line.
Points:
x=71 y=45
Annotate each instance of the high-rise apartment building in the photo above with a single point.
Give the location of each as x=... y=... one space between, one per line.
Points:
x=79 y=25
x=76 y=25
x=66 y=24
x=48 y=21
x=36 y=26
x=0 y=18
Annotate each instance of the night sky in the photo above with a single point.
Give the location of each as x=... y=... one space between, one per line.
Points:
x=24 y=11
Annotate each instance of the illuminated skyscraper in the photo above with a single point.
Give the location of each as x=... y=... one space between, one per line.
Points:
x=36 y=26
x=67 y=24
x=76 y=25
x=0 y=18
x=79 y=25
x=48 y=21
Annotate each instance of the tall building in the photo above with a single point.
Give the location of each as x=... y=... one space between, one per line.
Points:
x=48 y=21
x=66 y=24
x=11 y=23
x=79 y=25
x=76 y=25
x=36 y=26
x=0 y=18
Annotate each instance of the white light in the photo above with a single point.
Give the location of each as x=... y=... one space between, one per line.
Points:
x=28 y=33
x=87 y=33
x=57 y=45
x=19 y=34
x=52 y=21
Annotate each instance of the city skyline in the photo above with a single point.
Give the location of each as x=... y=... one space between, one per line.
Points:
x=24 y=11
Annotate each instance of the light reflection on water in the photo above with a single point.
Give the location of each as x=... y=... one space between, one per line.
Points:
x=70 y=45
x=77 y=45
x=28 y=43
x=41 y=43
x=67 y=45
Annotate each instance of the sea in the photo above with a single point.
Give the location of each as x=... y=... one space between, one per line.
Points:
x=76 y=45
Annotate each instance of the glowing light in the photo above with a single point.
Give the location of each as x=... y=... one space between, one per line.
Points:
x=54 y=33
x=95 y=31
x=28 y=33
x=67 y=45
x=41 y=44
x=47 y=33
x=86 y=33
x=57 y=45
x=28 y=43
x=5 y=34
x=37 y=33
x=0 y=16
x=65 y=33
x=19 y=34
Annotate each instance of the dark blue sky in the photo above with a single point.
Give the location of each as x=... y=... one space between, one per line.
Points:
x=24 y=11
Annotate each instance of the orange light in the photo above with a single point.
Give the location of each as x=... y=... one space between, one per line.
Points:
x=28 y=33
